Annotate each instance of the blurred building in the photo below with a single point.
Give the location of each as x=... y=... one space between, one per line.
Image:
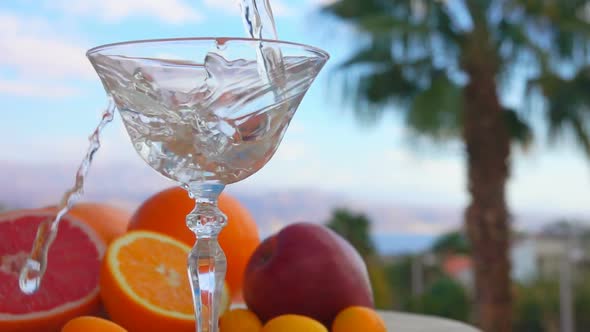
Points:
x=459 y=268
x=541 y=255
x=523 y=256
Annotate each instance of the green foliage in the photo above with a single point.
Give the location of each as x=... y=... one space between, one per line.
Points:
x=356 y=228
x=446 y=298
x=567 y=103
x=437 y=110
x=414 y=57
x=581 y=305
x=528 y=315
x=382 y=290
x=519 y=129
x=400 y=278
x=452 y=243
x=537 y=306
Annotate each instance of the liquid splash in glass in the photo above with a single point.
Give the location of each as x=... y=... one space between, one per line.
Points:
x=32 y=272
x=259 y=24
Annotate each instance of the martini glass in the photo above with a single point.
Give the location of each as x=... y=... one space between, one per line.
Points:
x=206 y=112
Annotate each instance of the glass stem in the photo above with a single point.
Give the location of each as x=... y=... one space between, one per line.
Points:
x=207 y=263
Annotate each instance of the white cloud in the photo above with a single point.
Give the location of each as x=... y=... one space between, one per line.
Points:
x=33 y=88
x=231 y=5
x=279 y=8
x=290 y=151
x=376 y=173
x=322 y=2
x=167 y=11
x=551 y=180
x=33 y=49
x=70 y=148
x=421 y=227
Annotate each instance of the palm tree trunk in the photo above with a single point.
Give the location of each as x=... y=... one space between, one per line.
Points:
x=486 y=218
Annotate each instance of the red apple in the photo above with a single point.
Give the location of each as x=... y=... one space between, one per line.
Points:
x=306 y=269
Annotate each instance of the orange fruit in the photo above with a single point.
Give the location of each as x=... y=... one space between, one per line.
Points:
x=108 y=221
x=240 y=320
x=165 y=212
x=353 y=319
x=225 y=299
x=294 y=323
x=70 y=286
x=91 y=324
x=144 y=283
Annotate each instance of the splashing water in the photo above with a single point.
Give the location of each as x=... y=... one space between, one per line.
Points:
x=32 y=272
x=204 y=122
x=259 y=24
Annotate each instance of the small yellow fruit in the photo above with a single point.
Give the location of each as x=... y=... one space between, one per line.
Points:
x=294 y=323
x=354 y=319
x=225 y=298
x=91 y=324
x=239 y=320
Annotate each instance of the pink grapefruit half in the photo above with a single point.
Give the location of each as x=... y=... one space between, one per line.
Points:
x=70 y=286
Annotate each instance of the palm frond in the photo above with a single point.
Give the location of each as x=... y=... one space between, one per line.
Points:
x=560 y=24
x=414 y=61
x=518 y=129
x=567 y=104
x=438 y=110
x=374 y=54
x=354 y=9
x=381 y=87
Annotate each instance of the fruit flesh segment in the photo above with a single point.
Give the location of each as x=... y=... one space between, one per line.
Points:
x=72 y=274
x=149 y=265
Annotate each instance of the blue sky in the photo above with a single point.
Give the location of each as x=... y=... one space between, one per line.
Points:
x=51 y=100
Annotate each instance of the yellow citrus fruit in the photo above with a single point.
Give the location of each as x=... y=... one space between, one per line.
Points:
x=225 y=299
x=240 y=320
x=353 y=319
x=145 y=286
x=91 y=324
x=294 y=323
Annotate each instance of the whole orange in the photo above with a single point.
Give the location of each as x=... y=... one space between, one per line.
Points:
x=91 y=324
x=294 y=323
x=165 y=212
x=108 y=221
x=239 y=320
x=357 y=318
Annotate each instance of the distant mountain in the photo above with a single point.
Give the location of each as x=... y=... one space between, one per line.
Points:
x=24 y=185
x=274 y=209
x=128 y=184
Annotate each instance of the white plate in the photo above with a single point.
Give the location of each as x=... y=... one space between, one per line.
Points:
x=403 y=322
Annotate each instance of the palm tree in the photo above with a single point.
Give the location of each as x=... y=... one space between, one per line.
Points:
x=451 y=243
x=448 y=64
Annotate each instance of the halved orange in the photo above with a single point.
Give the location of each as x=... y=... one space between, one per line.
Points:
x=165 y=212
x=144 y=283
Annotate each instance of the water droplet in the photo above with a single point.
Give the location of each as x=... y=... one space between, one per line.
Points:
x=30 y=277
x=221 y=43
